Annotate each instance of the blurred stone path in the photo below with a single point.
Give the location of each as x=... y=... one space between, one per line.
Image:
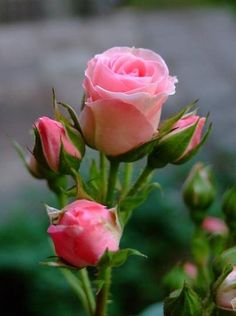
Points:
x=199 y=46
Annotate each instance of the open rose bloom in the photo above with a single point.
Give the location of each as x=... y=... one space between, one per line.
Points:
x=84 y=232
x=125 y=90
x=226 y=293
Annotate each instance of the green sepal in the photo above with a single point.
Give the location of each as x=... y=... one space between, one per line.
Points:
x=183 y=302
x=23 y=158
x=228 y=257
x=175 y=278
x=38 y=154
x=116 y=259
x=167 y=125
x=194 y=151
x=67 y=162
x=138 y=152
x=60 y=117
x=76 y=138
x=72 y=114
x=226 y=269
x=57 y=262
x=171 y=147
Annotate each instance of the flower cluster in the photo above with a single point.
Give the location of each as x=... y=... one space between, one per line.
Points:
x=125 y=90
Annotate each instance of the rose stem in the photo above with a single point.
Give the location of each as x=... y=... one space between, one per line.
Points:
x=128 y=170
x=84 y=278
x=103 y=295
x=78 y=289
x=114 y=165
x=103 y=177
x=139 y=182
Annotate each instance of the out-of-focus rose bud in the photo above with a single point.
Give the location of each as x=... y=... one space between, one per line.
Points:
x=83 y=231
x=229 y=208
x=57 y=147
x=226 y=293
x=199 y=192
x=190 y=269
x=181 y=143
x=214 y=225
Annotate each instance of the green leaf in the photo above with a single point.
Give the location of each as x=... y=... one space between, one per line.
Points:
x=183 y=302
x=129 y=203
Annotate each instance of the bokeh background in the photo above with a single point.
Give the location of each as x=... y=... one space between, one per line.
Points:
x=45 y=44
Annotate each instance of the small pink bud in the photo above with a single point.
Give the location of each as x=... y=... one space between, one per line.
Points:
x=186 y=122
x=214 y=225
x=226 y=293
x=53 y=136
x=190 y=269
x=83 y=231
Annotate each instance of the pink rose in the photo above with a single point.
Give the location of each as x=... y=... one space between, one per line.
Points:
x=53 y=136
x=226 y=293
x=125 y=90
x=185 y=123
x=214 y=225
x=84 y=232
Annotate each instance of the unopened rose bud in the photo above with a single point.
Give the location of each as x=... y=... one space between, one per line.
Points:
x=199 y=191
x=226 y=293
x=180 y=144
x=229 y=208
x=214 y=225
x=190 y=270
x=57 y=148
x=83 y=231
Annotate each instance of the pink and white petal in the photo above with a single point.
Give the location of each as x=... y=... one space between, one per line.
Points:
x=118 y=127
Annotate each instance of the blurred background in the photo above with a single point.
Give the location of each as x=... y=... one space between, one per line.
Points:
x=47 y=43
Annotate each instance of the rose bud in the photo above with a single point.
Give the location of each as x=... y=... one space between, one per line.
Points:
x=83 y=231
x=190 y=270
x=125 y=90
x=226 y=293
x=57 y=148
x=180 y=144
x=214 y=225
x=199 y=191
x=229 y=208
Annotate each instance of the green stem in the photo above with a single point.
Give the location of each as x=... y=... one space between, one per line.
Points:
x=62 y=199
x=103 y=295
x=103 y=177
x=84 y=278
x=140 y=181
x=128 y=168
x=114 y=165
x=77 y=287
